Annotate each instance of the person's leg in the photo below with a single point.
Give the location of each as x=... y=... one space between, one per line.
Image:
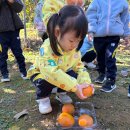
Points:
x=43 y=91
x=89 y=56
x=110 y=57
x=4 y=41
x=43 y=88
x=17 y=51
x=112 y=45
x=88 y=59
x=100 y=47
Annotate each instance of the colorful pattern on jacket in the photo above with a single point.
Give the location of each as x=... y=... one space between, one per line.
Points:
x=53 y=68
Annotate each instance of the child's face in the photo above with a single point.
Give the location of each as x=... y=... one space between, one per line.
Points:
x=75 y=2
x=68 y=41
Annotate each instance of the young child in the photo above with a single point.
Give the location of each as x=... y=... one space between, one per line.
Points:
x=108 y=21
x=10 y=25
x=58 y=55
x=44 y=10
x=42 y=14
x=88 y=53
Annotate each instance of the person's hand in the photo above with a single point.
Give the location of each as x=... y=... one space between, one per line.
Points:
x=126 y=39
x=40 y=26
x=80 y=88
x=90 y=37
x=10 y=1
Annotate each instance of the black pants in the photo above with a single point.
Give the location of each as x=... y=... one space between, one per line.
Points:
x=105 y=48
x=11 y=40
x=44 y=88
x=89 y=56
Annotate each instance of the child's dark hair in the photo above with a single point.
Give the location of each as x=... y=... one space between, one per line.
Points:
x=69 y=18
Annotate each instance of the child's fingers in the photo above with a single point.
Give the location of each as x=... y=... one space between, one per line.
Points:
x=81 y=94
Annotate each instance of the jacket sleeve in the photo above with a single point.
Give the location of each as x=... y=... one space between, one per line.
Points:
x=50 y=72
x=50 y=7
x=125 y=20
x=17 y=6
x=83 y=75
x=87 y=46
x=91 y=15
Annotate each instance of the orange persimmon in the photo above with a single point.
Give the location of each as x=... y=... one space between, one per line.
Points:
x=88 y=91
x=85 y=120
x=68 y=108
x=66 y=120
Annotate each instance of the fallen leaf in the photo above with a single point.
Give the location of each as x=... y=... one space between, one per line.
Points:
x=21 y=114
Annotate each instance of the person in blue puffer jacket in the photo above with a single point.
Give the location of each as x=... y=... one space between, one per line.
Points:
x=108 y=21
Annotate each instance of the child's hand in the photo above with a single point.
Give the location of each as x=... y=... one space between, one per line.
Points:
x=90 y=37
x=79 y=92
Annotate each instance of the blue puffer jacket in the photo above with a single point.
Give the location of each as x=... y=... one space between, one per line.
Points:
x=108 y=18
x=87 y=46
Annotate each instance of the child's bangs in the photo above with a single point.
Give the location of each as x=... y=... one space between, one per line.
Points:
x=77 y=24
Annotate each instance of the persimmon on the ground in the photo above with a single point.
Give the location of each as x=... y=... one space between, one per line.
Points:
x=73 y=2
x=85 y=120
x=88 y=91
x=66 y=120
x=68 y=108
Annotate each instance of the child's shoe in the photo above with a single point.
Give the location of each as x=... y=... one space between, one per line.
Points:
x=101 y=78
x=44 y=105
x=129 y=91
x=5 y=78
x=54 y=90
x=63 y=98
x=108 y=86
x=23 y=76
x=90 y=65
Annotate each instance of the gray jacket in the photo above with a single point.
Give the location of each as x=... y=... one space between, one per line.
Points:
x=108 y=18
x=9 y=19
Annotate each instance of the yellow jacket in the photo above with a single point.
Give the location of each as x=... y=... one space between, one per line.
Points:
x=53 y=68
x=50 y=7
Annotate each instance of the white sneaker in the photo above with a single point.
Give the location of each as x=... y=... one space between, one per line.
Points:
x=90 y=65
x=63 y=98
x=44 y=105
x=23 y=77
x=54 y=90
x=5 y=78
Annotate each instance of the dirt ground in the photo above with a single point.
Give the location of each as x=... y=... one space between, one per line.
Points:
x=112 y=109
